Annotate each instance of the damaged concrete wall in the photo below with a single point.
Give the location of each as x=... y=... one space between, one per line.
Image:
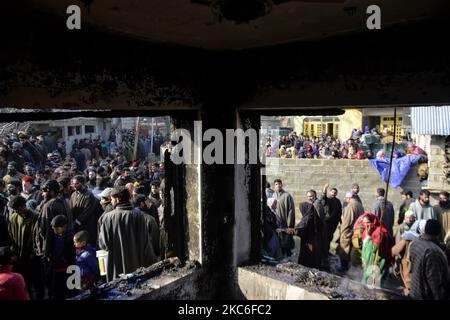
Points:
x=194 y=286
x=242 y=236
x=436 y=160
x=291 y=281
x=193 y=188
x=165 y=280
x=193 y=208
x=389 y=67
x=44 y=66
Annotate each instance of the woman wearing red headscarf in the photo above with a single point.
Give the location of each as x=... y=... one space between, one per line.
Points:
x=309 y=151
x=376 y=250
x=360 y=155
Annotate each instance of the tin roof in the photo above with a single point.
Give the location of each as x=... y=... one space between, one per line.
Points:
x=432 y=120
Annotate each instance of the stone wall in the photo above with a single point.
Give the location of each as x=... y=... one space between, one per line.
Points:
x=436 y=161
x=301 y=175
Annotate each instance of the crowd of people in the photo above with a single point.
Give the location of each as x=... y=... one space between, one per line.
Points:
x=415 y=248
x=359 y=146
x=58 y=209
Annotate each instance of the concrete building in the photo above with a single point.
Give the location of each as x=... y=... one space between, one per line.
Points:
x=74 y=129
x=383 y=118
x=430 y=127
x=341 y=126
x=190 y=62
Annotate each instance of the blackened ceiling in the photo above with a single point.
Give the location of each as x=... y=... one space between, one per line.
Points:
x=236 y=24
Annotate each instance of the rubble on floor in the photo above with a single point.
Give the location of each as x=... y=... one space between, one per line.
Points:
x=321 y=284
x=143 y=281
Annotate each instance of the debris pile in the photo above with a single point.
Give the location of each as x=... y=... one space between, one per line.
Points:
x=332 y=286
x=143 y=280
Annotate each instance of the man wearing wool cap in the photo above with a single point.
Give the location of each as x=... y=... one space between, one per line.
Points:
x=350 y=214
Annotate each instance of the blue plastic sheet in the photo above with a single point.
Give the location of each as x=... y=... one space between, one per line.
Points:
x=400 y=168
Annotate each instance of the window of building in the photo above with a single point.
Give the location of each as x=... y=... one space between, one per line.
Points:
x=73 y=130
x=89 y=129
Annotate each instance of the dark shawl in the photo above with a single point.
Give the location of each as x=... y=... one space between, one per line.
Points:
x=21 y=230
x=85 y=208
x=310 y=230
x=47 y=211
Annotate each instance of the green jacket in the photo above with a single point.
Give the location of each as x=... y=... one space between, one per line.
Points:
x=21 y=230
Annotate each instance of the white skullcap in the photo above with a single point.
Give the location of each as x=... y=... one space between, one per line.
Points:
x=409 y=213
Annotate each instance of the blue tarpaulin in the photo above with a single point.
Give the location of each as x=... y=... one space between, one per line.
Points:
x=400 y=168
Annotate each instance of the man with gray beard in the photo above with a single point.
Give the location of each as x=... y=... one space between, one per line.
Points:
x=350 y=214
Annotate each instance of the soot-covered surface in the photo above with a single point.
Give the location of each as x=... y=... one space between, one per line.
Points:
x=141 y=282
x=332 y=286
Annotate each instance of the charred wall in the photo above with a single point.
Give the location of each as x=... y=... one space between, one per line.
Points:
x=44 y=65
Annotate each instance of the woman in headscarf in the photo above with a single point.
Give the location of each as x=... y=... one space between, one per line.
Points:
x=293 y=152
x=366 y=129
x=283 y=152
x=401 y=253
x=315 y=151
x=380 y=155
x=323 y=151
x=376 y=250
x=357 y=241
x=310 y=231
x=344 y=153
x=271 y=241
x=301 y=152
x=351 y=152
x=309 y=151
x=410 y=149
x=360 y=155
x=397 y=154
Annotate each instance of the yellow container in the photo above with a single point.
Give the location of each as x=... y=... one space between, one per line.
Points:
x=102 y=257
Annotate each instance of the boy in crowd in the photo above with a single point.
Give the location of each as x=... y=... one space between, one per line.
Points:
x=86 y=259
